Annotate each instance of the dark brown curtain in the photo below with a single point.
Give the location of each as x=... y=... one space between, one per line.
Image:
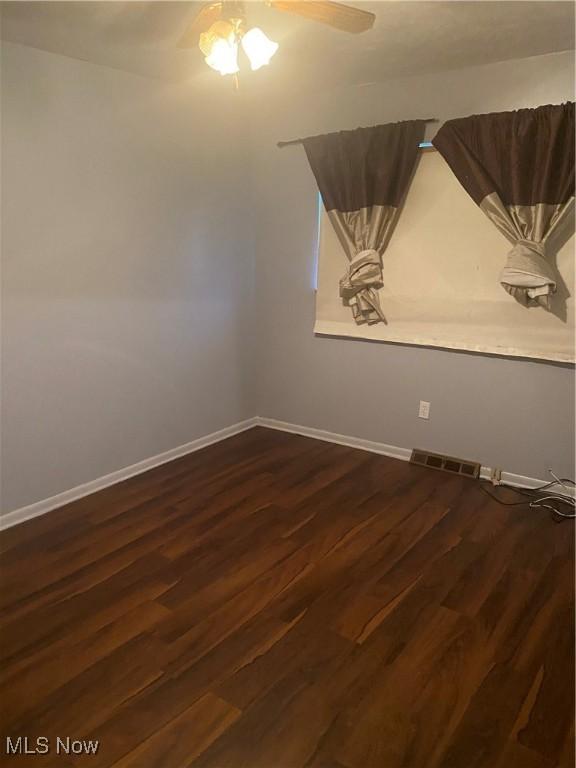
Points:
x=519 y=168
x=363 y=176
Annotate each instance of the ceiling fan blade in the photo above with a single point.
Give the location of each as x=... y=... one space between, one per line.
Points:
x=337 y=15
x=208 y=14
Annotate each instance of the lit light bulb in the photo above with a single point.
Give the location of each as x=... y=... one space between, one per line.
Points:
x=220 y=47
x=258 y=47
x=223 y=57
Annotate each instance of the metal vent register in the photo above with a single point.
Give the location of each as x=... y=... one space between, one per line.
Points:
x=445 y=463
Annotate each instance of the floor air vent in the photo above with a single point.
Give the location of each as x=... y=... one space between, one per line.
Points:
x=445 y=463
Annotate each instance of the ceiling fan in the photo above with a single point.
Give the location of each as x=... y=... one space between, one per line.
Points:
x=221 y=26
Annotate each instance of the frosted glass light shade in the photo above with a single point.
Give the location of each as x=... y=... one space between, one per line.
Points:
x=223 y=57
x=220 y=48
x=258 y=47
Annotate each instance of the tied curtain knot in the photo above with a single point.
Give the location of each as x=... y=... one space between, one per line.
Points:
x=359 y=284
x=363 y=176
x=518 y=167
x=528 y=275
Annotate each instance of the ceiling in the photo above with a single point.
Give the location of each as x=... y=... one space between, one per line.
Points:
x=409 y=37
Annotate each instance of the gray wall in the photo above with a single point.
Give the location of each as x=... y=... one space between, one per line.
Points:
x=158 y=279
x=509 y=413
x=126 y=280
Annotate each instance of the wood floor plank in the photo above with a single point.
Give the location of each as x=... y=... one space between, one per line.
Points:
x=63 y=661
x=184 y=738
x=273 y=601
x=91 y=697
x=169 y=696
x=145 y=579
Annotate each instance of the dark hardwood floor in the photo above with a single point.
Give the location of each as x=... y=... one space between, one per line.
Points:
x=274 y=601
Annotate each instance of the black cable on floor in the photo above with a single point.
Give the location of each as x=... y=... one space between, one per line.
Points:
x=557 y=503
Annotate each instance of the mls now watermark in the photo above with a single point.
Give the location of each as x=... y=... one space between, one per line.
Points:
x=42 y=745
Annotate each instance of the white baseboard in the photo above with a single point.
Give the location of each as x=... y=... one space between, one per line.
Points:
x=394 y=451
x=332 y=437
x=53 y=502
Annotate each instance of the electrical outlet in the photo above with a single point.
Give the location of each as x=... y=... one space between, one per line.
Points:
x=424 y=410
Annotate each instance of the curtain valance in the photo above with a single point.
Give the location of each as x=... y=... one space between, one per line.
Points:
x=363 y=176
x=518 y=167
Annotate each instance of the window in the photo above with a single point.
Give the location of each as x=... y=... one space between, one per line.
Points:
x=441 y=280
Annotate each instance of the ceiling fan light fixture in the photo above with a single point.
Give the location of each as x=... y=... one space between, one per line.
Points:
x=258 y=48
x=220 y=47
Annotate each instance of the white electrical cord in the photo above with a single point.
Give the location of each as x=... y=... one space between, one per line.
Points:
x=567 y=498
x=561 y=505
